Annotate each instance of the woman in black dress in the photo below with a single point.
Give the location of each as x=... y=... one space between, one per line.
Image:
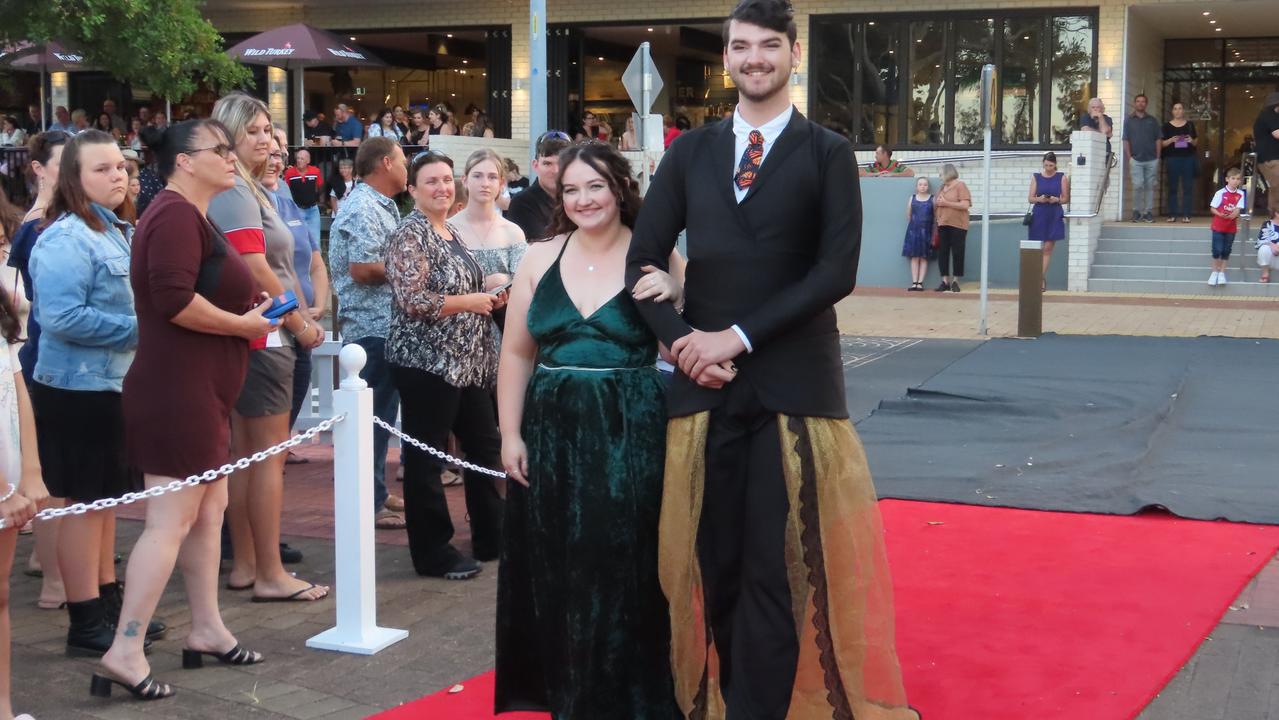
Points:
x=195 y=303
x=1179 y=141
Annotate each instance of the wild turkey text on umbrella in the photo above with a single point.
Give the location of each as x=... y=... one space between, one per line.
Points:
x=44 y=58
x=300 y=46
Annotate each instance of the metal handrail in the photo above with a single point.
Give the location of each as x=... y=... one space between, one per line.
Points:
x=1002 y=155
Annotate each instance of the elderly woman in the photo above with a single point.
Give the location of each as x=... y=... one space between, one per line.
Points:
x=80 y=276
x=195 y=300
x=951 y=206
x=260 y=418
x=445 y=364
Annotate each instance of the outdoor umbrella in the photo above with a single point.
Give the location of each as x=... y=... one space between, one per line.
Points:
x=45 y=58
x=300 y=46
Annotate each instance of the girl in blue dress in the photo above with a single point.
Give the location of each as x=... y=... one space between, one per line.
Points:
x=1049 y=191
x=918 y=245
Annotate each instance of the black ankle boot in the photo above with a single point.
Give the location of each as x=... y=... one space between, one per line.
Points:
x=88 y=635
x=112 y=595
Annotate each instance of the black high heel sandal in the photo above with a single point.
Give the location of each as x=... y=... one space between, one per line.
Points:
x=194 y=659
x=148 y=689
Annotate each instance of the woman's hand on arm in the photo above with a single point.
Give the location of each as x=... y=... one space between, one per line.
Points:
x=658 y=286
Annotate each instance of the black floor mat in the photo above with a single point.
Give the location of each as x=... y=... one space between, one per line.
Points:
x=1090 y=424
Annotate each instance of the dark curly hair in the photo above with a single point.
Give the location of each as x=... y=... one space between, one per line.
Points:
x=615 y=168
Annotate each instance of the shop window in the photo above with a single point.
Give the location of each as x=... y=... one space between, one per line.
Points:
x=880 y=102
x=1071 y=87
x=1020 y=81
x=974 y=41
x=927 y=119
x=914 y=80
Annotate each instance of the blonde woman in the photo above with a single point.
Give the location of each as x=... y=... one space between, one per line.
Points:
x=497 y=243
x=952 y=203
x=260 y=418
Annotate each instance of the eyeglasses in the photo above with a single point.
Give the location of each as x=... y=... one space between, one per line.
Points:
x=223 y=150
x=276 y=156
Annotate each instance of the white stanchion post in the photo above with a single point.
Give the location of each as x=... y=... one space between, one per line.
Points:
x=356 y=588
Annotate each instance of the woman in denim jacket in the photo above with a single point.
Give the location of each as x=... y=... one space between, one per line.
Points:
x=84 y=304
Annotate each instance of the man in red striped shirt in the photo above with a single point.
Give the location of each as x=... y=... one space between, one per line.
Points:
x=307 y=186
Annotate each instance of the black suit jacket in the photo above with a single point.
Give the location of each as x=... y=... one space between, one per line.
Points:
x=774 y=265
x=532 y=209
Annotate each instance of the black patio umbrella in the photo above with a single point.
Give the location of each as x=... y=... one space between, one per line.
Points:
x=42 y=58
x=299 y=46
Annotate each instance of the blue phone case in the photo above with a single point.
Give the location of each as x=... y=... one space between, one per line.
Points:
x=281 y=307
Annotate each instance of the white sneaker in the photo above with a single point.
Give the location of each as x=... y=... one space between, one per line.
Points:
x=1221 y=278
x=1212 y=279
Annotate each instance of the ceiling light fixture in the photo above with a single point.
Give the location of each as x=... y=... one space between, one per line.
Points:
x=1212 y=22
x=650 y=29
x=1217 y=29
x=1207 y=13
x=448 y=35
x=352 y=38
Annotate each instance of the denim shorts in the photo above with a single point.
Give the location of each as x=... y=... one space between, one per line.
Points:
x=1222 y=243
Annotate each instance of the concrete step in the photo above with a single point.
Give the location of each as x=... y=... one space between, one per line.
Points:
x=1201 y=244
x=1163 y=272
x=1184 y=287
x=1167 y=259
x=1160 y=230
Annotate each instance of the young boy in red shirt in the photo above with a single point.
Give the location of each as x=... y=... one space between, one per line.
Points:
x=1226 y=206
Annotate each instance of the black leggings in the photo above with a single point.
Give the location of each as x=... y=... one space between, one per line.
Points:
x=950 y=244
x=430 y=409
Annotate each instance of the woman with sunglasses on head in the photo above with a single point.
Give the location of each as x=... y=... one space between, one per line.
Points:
x=44 y=153
x=582 y=628
x=195 y=300
x=80 y=279
x=260 y=418
x=441 y=121
x=444 y=360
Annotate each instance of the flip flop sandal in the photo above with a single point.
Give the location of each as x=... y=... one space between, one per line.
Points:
x=194 y=659
x=295 y=597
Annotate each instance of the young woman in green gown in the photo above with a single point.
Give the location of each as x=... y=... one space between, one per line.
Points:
x=582 y=626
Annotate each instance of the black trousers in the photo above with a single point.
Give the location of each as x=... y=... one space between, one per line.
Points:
x=430 y=409
x=741 y=548
x=950 y=244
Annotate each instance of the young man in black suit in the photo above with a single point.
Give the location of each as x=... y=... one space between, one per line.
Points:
x=769 y=520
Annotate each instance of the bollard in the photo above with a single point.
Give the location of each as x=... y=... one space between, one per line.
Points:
x=356 y=587
x=1030 y=296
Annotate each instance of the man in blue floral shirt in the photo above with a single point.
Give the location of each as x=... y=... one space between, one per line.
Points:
x=357 y=261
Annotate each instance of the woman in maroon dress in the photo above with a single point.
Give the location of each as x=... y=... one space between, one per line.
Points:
x=195 y=304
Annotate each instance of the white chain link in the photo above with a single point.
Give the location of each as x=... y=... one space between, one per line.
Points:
x=205 y=477
x=437 y=453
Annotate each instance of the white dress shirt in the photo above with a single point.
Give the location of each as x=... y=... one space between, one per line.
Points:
x=771 y=130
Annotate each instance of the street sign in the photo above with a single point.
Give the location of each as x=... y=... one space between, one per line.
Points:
x=641 y=80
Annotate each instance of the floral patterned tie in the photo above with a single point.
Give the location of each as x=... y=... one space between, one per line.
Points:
x=748 y=168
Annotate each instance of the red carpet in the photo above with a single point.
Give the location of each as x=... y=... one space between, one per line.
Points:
x=1014 y=614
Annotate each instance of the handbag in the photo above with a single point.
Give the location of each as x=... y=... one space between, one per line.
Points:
x=1029 y=217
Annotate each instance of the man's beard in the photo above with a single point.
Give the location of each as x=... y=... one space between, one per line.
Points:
x=779 y=85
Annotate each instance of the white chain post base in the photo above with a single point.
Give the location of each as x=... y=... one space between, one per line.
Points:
x=437 y=453
x=205 y=477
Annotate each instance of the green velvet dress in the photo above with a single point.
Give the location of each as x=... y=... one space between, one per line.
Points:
x=582 y=626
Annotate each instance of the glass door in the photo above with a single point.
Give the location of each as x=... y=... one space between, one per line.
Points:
x=1203 y=102
x=1243 y=102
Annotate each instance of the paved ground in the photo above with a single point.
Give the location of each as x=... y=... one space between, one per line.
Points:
x=1234 y=675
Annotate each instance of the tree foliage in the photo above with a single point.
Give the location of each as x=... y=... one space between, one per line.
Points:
x=164 y=45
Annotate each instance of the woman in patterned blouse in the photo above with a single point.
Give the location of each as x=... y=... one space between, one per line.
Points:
x=445 y=363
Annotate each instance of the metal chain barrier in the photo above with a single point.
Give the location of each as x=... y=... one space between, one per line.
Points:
x=207 y=476
x=437 y=453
